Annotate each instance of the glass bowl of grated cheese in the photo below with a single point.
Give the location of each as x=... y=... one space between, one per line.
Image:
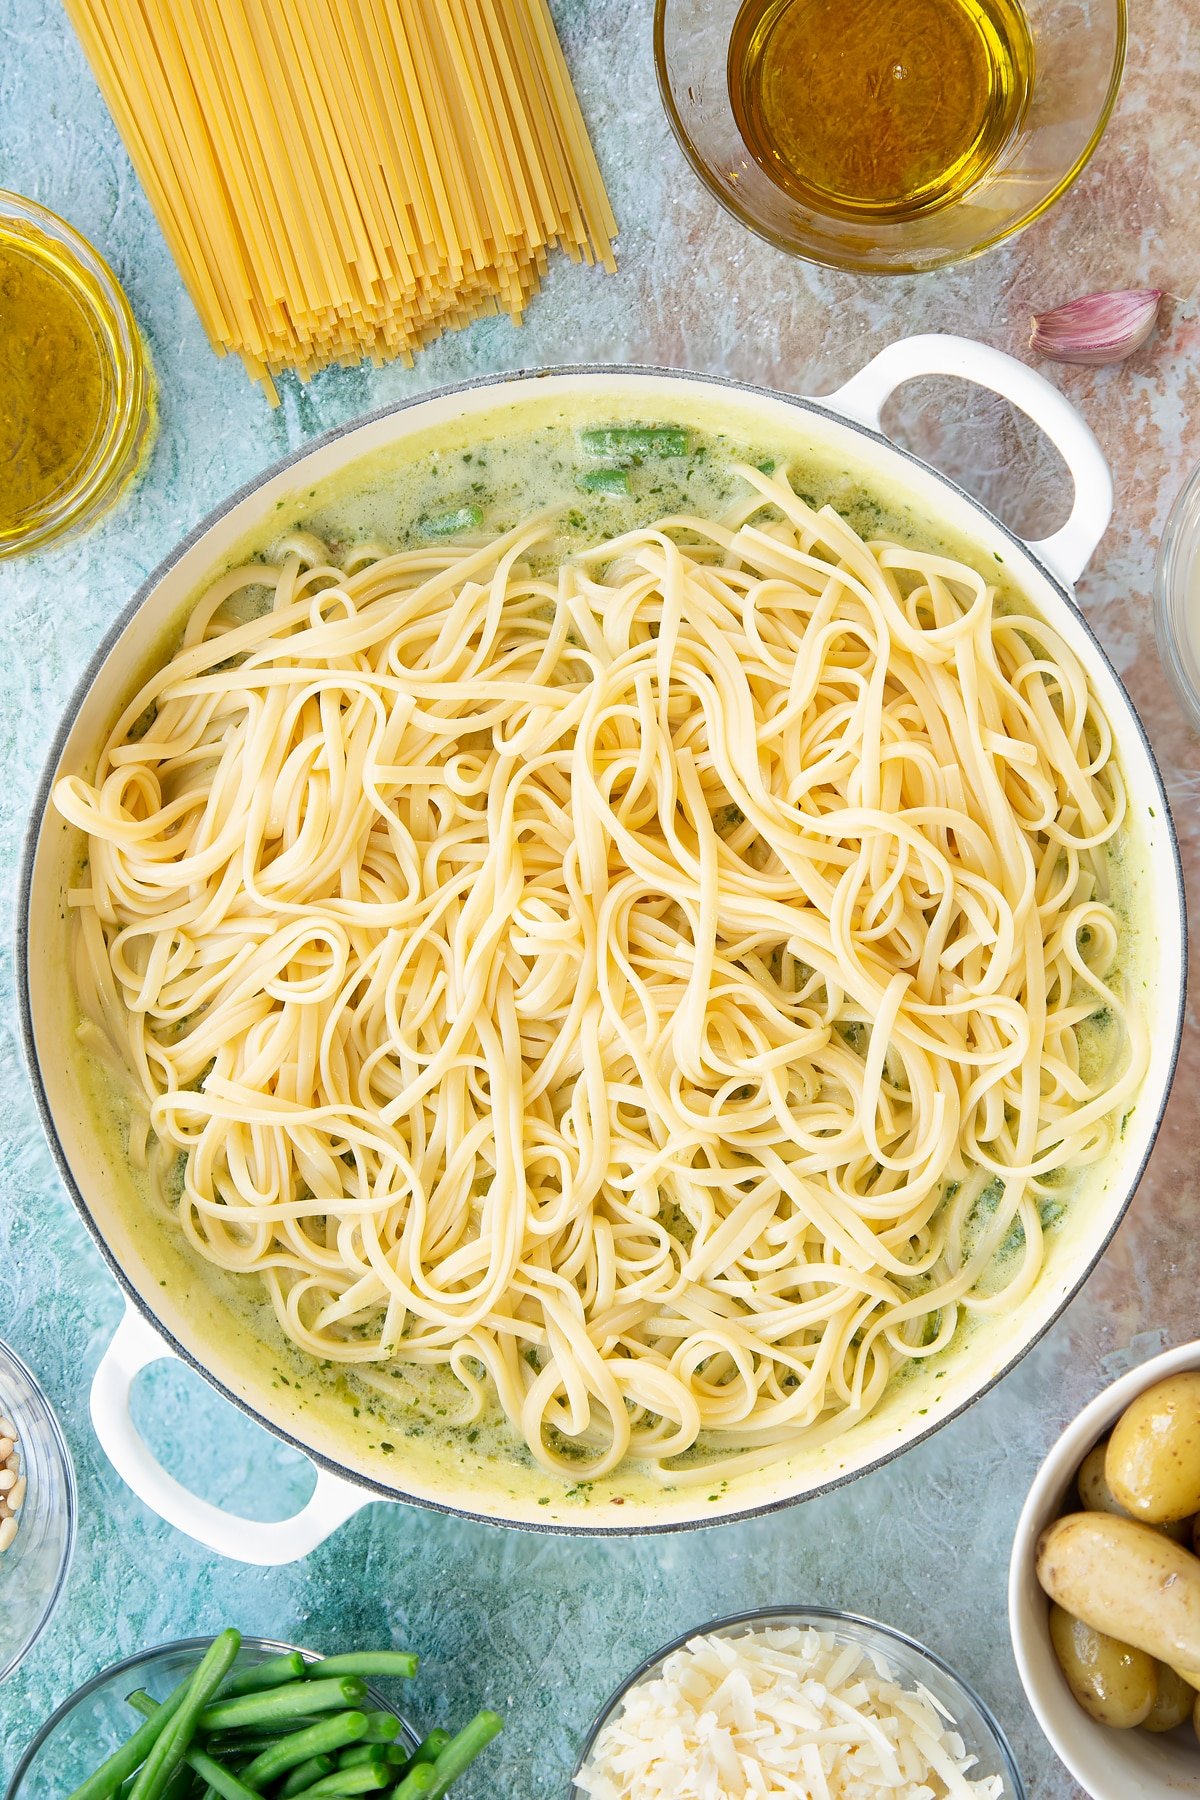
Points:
x=801 y=1703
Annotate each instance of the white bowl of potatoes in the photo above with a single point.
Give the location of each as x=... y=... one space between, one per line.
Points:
x=1104 y=1587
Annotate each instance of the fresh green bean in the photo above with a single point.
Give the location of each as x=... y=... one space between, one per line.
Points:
x=124 y=1763
x=175 y=1735
x=239 y=1743
x=358 y=1753
x=419 y=1780
x=605 y=481
x=222 y=1780
x=225 y=1736
x=431 y=1747
x=462 y=1751
x=304 y=1776
x=254 y=1739
x=254 y=1744
x=218 y=1779
x=270 y=1674
x=382 y=1727
x=449 y=524
x=224 y=1747
x=367 y=1663
x=326 y=1735
x=293 y=1701
x=364 y=1778
x=625 y=442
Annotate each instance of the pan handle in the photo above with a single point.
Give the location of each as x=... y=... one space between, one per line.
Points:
x=1066 y=553
x=135 y=1345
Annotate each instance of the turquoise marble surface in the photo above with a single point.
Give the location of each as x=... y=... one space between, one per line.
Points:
x=539 y=1627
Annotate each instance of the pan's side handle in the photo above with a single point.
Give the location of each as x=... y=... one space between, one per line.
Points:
x=135 y=1345
x=1067 y=552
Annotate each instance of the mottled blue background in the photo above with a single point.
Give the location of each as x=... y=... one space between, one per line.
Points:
x=538 y=1627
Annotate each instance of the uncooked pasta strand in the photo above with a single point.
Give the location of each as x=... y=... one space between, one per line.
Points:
x=346 y=180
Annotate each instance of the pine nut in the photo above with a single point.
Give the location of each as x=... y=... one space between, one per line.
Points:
x=12 y=1482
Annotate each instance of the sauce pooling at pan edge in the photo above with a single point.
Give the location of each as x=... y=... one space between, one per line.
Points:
x=656 y=969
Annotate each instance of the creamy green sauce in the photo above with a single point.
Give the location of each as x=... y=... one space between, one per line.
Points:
x=509 y=475
x=502 y=476
x=509 y=481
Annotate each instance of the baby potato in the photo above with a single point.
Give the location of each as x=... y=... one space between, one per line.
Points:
x=1173 y=1701
x=1125 y=1580
x=1094 y=1490
x=1097 y=1496
x=1152 y=1463
x=1113 y=1682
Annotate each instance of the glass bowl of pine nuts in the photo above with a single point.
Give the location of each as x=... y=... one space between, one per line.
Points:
x=37 y=1510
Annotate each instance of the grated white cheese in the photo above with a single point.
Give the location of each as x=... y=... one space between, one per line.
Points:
x=780 y=1712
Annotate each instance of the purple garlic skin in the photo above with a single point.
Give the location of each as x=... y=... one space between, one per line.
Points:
x=1097 y=328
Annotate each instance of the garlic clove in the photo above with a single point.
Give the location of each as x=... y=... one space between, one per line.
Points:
x=1097 y=328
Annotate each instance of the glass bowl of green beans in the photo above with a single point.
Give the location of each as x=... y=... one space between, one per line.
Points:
x=358 y=1742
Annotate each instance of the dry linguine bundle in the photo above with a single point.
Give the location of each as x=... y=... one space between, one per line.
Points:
x=339 y=179
x=648 y=983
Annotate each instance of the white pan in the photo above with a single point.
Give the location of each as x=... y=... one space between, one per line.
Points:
x=176 y=1308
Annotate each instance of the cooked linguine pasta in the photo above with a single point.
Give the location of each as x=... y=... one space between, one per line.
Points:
x=653 y=983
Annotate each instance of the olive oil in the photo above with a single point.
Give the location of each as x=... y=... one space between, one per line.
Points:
x=76 y=387
x=52 y=381
x=880 y=109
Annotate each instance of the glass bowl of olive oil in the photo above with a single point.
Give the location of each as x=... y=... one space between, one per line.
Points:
x=888 y=136
x=76 y=389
